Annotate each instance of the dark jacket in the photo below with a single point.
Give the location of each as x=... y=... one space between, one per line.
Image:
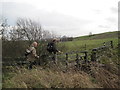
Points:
x=53 y=47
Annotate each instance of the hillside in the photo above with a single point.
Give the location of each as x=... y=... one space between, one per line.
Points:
x=99 y=36
x=91 y=42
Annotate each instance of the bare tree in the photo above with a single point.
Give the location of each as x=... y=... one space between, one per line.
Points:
x=3 y=28
x=29 y=29
x=14 y=34
x=46 y=34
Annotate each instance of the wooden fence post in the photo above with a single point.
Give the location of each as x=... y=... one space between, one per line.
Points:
x=77 y=60
x=103 y=43
x=93 y=56
x=111 y=42
x=85 y=57
x=66 y=59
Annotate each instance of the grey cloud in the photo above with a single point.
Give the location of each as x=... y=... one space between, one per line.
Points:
x=103 y=26
x=114 y=10
x=60 y=20
x=97 y=11
x=111 y=19
x=15 y=10
x=49 y=20
x=12 y=11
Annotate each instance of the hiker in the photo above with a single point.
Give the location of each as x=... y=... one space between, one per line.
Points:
x=51 y=48
x=31 y=55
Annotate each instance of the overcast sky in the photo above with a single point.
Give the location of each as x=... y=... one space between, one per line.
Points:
x=65 y=17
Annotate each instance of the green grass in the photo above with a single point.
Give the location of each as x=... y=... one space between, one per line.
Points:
x=79 y=45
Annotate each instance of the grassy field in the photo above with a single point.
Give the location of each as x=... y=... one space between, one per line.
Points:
x=90 y=42
x=52 y=76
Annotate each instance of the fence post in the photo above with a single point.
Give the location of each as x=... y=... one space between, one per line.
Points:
x=93 y=55
x=104 y=44
x=111 y=42
x=85 y=56
x=77 y=60
x=66 y=59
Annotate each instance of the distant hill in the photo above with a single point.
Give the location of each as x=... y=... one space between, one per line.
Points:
x=99 y=36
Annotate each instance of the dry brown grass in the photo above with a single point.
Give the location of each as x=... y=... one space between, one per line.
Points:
x=105 y=78
x=46 y=78
x=56 y=77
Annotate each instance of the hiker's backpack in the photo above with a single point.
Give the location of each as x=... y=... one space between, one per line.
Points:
x=27 y=52
x=50 y=47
